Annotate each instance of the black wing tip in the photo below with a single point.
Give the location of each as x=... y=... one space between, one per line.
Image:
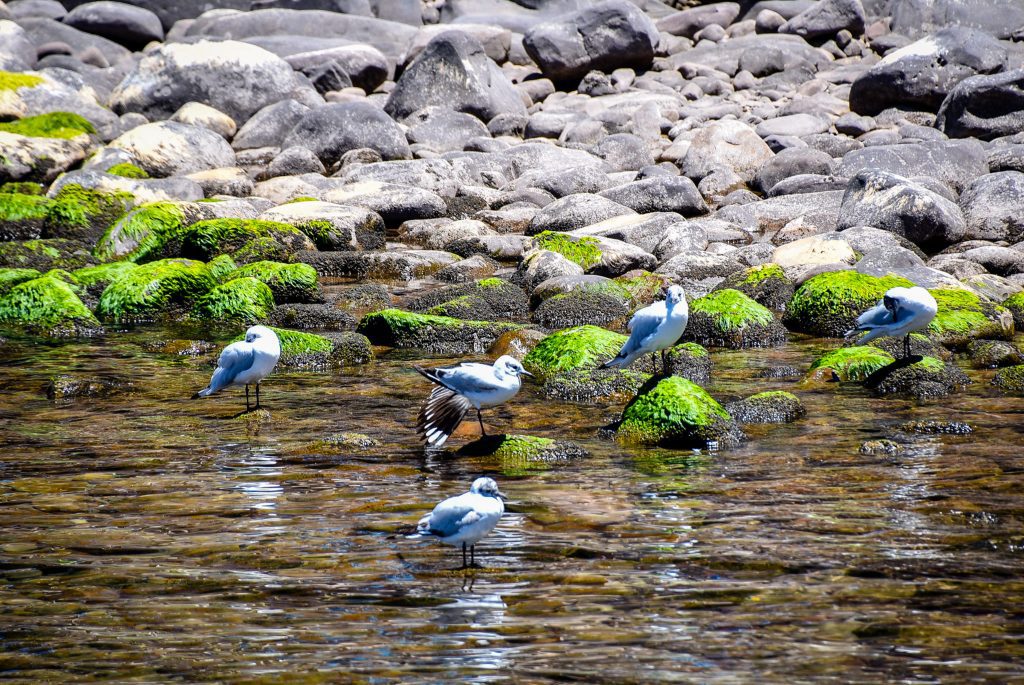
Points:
x=442 y=413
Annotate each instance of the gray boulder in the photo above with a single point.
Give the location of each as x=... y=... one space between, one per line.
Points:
x=688 y=22
x=954 y=162
x=444 y=130
x=999 y=18
x=170 y=148
x=727 y=143
x=994 y=207
x=365 y=65
x=792 y=162
x=659 y=194
x=575 y=211
x=269 y=126
x=624 y=152
x=122 y=23
x=826 y=18
x=333 y=129
x=984 y=107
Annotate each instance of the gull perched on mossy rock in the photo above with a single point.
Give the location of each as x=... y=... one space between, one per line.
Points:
x=901 y=312
x=654 y=328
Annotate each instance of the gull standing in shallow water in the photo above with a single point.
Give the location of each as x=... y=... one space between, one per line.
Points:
x=467 y=518
x=245 y=362
x=464 y=386
x=654 y=328
x=901 y=312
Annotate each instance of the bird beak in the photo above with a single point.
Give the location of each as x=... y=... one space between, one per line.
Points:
x=524 y=372
x=502 y=495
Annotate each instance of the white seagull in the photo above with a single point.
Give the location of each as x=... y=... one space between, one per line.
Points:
x=901 y=312
x=464 y=386
x=655 y=327
x=467 y=518
x=245 y=362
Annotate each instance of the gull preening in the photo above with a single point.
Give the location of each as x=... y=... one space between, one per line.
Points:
x=461 y=387
x=467 y=518
x=654 y=328
x=902 y=311
x=245 y=362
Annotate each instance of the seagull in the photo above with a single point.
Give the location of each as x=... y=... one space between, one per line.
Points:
x=467 y=518
x=901 y=312
x=655 y=327
x=245 y=362
x=459 y=388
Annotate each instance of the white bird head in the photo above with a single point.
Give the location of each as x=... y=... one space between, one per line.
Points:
x=259 y=332
x=511 y=366
x=674 y=295
x=487 y=487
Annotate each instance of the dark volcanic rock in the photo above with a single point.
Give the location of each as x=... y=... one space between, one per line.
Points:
x=334 y=129
x=984 y=107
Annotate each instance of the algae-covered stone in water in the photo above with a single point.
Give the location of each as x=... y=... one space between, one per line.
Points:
x=399 y=328
x=829 y=303
x=245 y=299
x=850 y=363
x=728 y=318
x=677 y=413
x=164 y=289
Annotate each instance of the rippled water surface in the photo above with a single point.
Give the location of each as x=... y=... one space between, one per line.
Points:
x=147 y=537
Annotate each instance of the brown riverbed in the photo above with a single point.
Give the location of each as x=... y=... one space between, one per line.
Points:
x=150 y=538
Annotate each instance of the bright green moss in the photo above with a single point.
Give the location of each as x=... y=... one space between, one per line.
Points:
x=319 y=231
x=583 y=251
x=10 y=80
x=399 y=328
x=854 y=363
x=247 y=240
x=304 y=198
x=830 y=303
x=642 y=288
x=693 y=348
x=127 y=170
x=223 y=268
x=581 y=347
x=491 y=283
x=762 y=272
x=1015 y=301
x=102 y=274
x=288 y=282
x=143 y=234
x=674 y=409
x=50 y=125
x=960 y=312
x=46 y=303
x=298 y=343
x=731 y=310
x=23 y=207
x=23 y=188
x=155 y=290
x=240 y=299
x=930 y=364
x=12 y=277
x=457 y=307
x=75 y=206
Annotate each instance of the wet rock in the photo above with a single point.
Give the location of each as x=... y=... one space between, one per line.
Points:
x=364 y=297
x=1015 y=305
x=659 y=194
x=336 y=128
x=766 y=284
x=393 y=265
x=541 y=265
x=303 y=316
x=244 y=300
x=397 y=328
x=469 y=269
x=287 y=282
x=926 y=378
x=581 y=347
x=454 y=72
x=605 y=36
x=48 y=306
x=963 y=317
x=163 y=289
x=728 y=318
x=579 y=307
x=332 y=226
x=920 y=344
x=850 y=364
x=500 y=299
x=350 y=349
x=776 y=372
x=935 y=427
x=984 y=107
x=589 y=385
x=12 y=277
x=729 y=144
x=773 y=406
x=828 y=304
x=993 y=207
x=954 y=162
x=991 y=354
x=517 y=454
x=168 y=148
x=246 y=240
x=180 y=348
x=677 y=413
x=56 y=253
x=66 y=387
x=881 y=447
x=1010 y=379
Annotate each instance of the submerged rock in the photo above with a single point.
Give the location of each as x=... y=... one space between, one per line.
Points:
x=1010 y=379
x=50 y=306
x=933 y=427
x=579 y=307
x=728 y=318
x=312 y=316
x=317 y=352
x=829 y=304
x=925 y=378
x=55 y=253
x=990 y=354
x=246 y=240
x=850 y=363
x=97 y=278
x=677 y=413
x=773 y=406
x=398 y=328
x=497 y=299
x=68 y=387
x=881 y=447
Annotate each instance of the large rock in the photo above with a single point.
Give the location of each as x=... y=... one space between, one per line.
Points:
x=984 y=107
x=332 y=130
x=331 y=226
x=954 y=162
x=677 y=413
x=826 y=18
x=993 y=207
x=829 y=304
x=48 y=305
x=236 y=78
x=398 y=328
x=365 y=65
x=728 y=318
x=908 y=209
x=45 y=92
x=659 y=194
x=729 y=144
x=393 y=202
x=168 y=148
x=688 y=22
x=269 y=126
x=455 y=72
x=605 y=36
x=164 y=289
x=920 y=75
x=575 y=211
x=17 y=53
x=42 y=147
x=444 y=130
x=999 y=18
x=122 y=23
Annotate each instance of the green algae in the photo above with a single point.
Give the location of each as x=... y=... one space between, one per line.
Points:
x=246 y=240
x=155 y=290
x=10 y=80
x=222 y=268
x=44 y=254
x=127 y=170
x=22 y=188
x=1010 y=379
x=639 y=288
x=46 y=304
x=240 y=299
x=288 y=282
x=731 y=310
x=50 y=125
x=582 y=251
x=675 y=411
x=762 y=272
x=144 y=234
x=23 y=207
x=829 y=303
x=399 y=328
x=962 y=316
x=103 y=273
x=298 y=343
x=579 y=347
x=771 y=406
x=76 y=207
x=12 y=277
x=853 y=363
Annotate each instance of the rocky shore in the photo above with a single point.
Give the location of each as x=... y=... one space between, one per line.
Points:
x=478 y=177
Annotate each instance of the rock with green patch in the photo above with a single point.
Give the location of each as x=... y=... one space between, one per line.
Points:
x=596 y=254
x=927 y=378
x=521 y=454
x=350 y=349
x=246 y=240
x=127 y=170
x=84 y=214
x=48 y=306
x=920 y=344
x=22 y=216
x=963 y=317
x=579 y=307
x=773 y=406
x=317 y=352
x=766 y=284
x=992 y=354
x=935 y=427
x=850 y=364
x=728 y=318
x=12 y=277
x=1010 y=379
x=489 y=299
x=288 y=282
x=245 y=300
x=222 y=269
x=677 y=413
x=53 y=253
x=1015 y=304
x=583 y=252
x=332 y=226
x=398 y=328
x=828 y=304
x=39 y=148
x=162 y=290
x=151 y=231
x=22 y=188
x=580 y=347
x=97 y=278
x=643 y=287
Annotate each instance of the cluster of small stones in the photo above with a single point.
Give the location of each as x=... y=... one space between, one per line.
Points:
x=784 y=161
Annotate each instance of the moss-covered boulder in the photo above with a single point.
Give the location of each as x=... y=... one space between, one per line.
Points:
x=963 y=317
x=581 y=307
x=677 y=413
x=766 y=284
x=850 y=364
x=151 y=231
x=920 y=344
x=581 y=347
x=246 y=240
x=84 y=214
x=309 y=351
x=1015 y=304
x=12 y=277
x=50 y=125
x=489 y=299
x=1010 y=379
x=46 y=254
x=398 y=328
x=161 y=290
x=520 y=454
x=642 y=287
x=39 y=148
x=49 y=306
x=97 y=278
x=222 y=269
x=773 y=406
x=22 y=216
x=127 y=170
x=582 y=251
x=991 y=354
x=23 y=188
x=246 y=300
x=728 y=318
x=926 y=378
x=829 y=304
x=288 y=282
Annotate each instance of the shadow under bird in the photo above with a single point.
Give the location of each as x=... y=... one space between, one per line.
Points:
x=902 y=311
x=655 y=328
x=459 y=388
x=245 y=362
x=465 y=519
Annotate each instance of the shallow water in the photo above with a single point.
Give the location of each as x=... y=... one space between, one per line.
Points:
x=147 y=537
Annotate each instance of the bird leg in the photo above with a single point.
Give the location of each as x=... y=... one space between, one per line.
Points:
x=464 y=555
x=257 y=394
x=906 y=345
x=654 y=363
x=247 y=397
x=472 y=556
x=481 y=420
x=664 y=364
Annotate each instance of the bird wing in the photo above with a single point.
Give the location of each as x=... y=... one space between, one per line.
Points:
x=236 y=358
x=877 y=316
x=451 y=515
x=643 y=325
x=441 y=415
x=470 y=377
